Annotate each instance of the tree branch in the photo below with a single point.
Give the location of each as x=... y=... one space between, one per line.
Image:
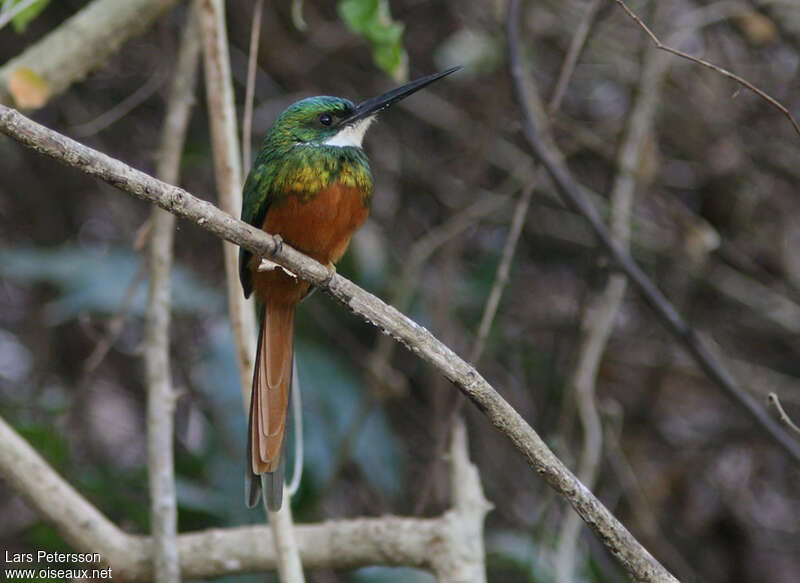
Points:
x=82 y=43
x=445 y=545
x=635 y=558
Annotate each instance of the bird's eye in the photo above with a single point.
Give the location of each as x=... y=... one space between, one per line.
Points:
x=325 y=119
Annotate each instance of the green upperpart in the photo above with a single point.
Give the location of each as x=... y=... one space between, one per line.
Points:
x=295 y=161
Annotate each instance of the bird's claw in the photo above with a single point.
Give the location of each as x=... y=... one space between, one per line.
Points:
x=278 y=240
x=331 y=273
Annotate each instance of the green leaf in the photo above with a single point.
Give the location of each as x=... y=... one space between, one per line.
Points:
x=21 y=20
x=372 y=20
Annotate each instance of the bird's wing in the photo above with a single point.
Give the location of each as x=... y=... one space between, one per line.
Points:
x=256 y=200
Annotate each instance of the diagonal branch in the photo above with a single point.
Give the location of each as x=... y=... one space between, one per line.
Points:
x=572 y=194
x=633 y=556
x=724 y=72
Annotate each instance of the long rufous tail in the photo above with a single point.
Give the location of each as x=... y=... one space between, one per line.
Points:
x=269 y=401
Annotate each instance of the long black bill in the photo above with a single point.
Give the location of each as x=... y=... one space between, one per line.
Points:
x=381 y=102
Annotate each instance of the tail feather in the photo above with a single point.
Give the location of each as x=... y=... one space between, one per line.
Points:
x=269 y=402
x=272 y=486
x=252 y=482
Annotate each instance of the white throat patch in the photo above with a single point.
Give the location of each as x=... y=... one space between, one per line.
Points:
x=351 y=135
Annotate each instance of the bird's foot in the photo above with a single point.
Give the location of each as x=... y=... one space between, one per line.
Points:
x=278 y=244
x=331 y=273
x=268 y=265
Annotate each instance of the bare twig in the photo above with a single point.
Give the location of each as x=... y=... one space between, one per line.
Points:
x=575 y=48
x=572 y=195
x=117 y=322
x=773 y=400
x=160 y=394
x=635 y=558
x=724 y=72
x=122 y=108
x=83 y=42
x=252 y=64
x=503 y=270
x=219 y=90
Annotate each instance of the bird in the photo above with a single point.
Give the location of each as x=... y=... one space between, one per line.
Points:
x=310 y=185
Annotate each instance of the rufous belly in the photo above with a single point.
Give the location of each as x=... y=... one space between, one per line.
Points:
x=321 y=226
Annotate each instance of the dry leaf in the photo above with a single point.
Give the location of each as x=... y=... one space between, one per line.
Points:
x=28 y=89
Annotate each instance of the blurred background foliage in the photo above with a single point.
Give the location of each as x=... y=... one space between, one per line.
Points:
x=716 y=224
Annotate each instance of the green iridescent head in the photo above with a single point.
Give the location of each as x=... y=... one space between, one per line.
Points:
x=313 y=120
x=335 y=121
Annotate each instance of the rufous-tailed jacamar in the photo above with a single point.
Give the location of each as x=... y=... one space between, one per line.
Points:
x=310 y=184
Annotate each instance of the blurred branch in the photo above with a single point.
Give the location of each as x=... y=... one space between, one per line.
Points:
x=575 y=48
x=503 y=271
x=124 y=107
x=571 y=192
x=599 y=317
x=773 y=400
x=744 y=83
x=767 y=303
x=117 y=322
x=445 y=545
x=161 y=396
x=252 y=65
x=82 y=43
x=635 y=558
x=228 y=172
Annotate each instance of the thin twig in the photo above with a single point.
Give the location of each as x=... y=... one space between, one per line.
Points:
x=743 y=82
x=252 y=65
x=117 y=322
x=773 y=400
x=574 y=51
x=633 y=556
x=571 y=193
x=160 y=393
x=503 y=271
x=122 y=108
